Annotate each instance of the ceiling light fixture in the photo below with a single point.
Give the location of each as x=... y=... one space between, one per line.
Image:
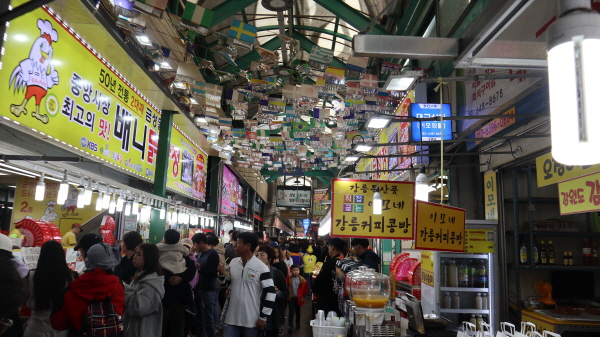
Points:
x=40 y=189
x=573 y=46
x=143 y=40
x=165 y=65
x=63 y=190
x=378 y=121
x=179 y=85
x=362 y=147
x=87 y=195
x=377 y=202
x=404 y=81
x=422 y=185
x=113 y=205
x=351 y=158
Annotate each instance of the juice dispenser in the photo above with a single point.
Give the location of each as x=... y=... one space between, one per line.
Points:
x=369 y=289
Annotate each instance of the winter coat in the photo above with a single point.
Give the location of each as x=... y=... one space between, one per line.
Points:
x=277 y=317
x=178 y=293
x=370 y=259
x=143 y=309
x=302 y=289
x=221 y=250
x=125 y=270
x=38 y=325
x=94 y=284
x=172 y=257
x=327 y=299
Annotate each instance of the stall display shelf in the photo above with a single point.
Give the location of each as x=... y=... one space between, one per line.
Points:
x=464 y=289
x=555 y=233
x=464 y=256
x=465 y=311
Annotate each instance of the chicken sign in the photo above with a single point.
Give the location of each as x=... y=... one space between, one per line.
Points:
x=56 y=86
x=36 y=74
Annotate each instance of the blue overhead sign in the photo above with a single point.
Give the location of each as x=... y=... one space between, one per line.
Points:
x=431 y=130
x=306 y=224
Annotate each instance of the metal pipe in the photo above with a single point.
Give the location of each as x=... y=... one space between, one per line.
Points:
x=483 y=77
x=416 y=154
x=517 y=135
x=454 y=118
x=415 y=169
x=462 y=140
x=281 y=22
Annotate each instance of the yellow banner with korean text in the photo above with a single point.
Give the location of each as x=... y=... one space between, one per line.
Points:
x=63 y=216
x=352 y=209
x=55 y=85
x=490 y=188
x=551 y=172
x=580 y=195
x=427 y=270
x=187 y=166
x=439 y=227
x=479 y=241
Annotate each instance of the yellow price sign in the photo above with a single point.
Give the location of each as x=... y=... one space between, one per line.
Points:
x=439 y=227
x=580 y=195
x=551 y=172
x=57 y=86
x=491 y=195
x=479 y=241
x=427 y=267
x=352 y=209
x=187 y=166
x=427 y=278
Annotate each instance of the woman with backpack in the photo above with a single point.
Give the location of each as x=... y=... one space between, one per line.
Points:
x=143 y=308
x=46 y=287
x=94 y=298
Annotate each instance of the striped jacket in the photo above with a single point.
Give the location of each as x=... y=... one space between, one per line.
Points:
x=252 y=294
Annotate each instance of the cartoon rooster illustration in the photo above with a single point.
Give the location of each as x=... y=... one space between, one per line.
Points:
x=36 y=74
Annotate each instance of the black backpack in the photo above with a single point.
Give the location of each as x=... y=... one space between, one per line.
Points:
x=101 y=319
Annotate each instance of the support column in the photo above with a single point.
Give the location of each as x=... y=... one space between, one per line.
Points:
x=157 y=225
x=214 y=187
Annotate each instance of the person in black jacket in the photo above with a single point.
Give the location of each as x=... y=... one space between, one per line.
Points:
x=125 y=270
x=365 y=255
x=327 y=299
x=266 y=254
x=207 y=262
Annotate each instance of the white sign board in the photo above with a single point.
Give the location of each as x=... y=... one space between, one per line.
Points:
x=293 y=198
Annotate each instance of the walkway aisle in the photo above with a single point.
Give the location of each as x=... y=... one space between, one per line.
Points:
x=305 y=329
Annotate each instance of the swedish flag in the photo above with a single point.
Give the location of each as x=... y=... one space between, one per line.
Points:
x=242 y=31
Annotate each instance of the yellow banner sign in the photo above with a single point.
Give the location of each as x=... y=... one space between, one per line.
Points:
x=580 y=195
x=439 y=227
x=491 y=195
x=187 y=166
x=551 y=172
x=293 y=214
x=479 y=241
x=63 y=216
x=427 y=267
x=352 y=209
x=55 y=85
x=495 y=126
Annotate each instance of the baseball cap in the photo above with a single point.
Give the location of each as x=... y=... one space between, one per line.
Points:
x=273 y=244
x=88 y=241
x=100 y=256
x=284 y=246
x=5 y=243
x=78 y=226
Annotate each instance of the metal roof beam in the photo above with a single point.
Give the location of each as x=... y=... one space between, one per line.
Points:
x=276 y=174
x=227 y=9
x=351 y=16
x=309 y=28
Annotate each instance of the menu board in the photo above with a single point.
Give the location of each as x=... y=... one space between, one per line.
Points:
x=439 y=227
x=231 y=192
x=352 y=209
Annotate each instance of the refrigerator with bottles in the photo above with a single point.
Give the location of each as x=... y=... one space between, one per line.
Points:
x=463 y=286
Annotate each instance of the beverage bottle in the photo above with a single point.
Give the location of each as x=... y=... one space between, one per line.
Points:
x=444 y=274
x=570 y=258
x=485 y=305
x=455 y=301
x=587 y=253
x=473 y=320
x=543 y=254
x=447 y=302
x=452 y=274
x=523 y=253
x=482 y=277
x=551 y=257
x=463 y=274
x=594 y=252
x=478 y=302
x=472 y=273
x=535 y=254
x=479 y=320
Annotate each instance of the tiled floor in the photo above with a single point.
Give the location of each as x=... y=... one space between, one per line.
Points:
x=305 y=329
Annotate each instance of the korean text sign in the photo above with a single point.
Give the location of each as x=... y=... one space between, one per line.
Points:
x=187 y=166
x=319 y=209
x=352 y=209
x=580 y=195
x=55 y=85
x=231 y=192
x=293 y=197
x=430 y=130
x=490 y=201
x=439 y=227
x=427 y=268
x=551 y=172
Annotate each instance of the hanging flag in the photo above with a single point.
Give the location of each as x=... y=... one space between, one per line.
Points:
x=369 y=81
x=211 y=117
x=235 y=95
x=273 y=80
x=263 y=133
x=291 y=91
x=227 y=57
x=197 y=14
x=159 y=4
x=276 y=101
x=357 y=63
x=334 y=75
x=320 y=81
x=251 y=135
x=198 y=88
x=238 y=133
x=321 y=113
x=321 y=55
x=242 y=31
x=309 y=91
x=225 y=123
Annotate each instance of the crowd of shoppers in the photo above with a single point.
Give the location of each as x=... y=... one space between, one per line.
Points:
x=241 y=289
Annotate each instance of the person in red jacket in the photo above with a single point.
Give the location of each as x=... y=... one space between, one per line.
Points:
x=97 y=282
x=298 y=288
